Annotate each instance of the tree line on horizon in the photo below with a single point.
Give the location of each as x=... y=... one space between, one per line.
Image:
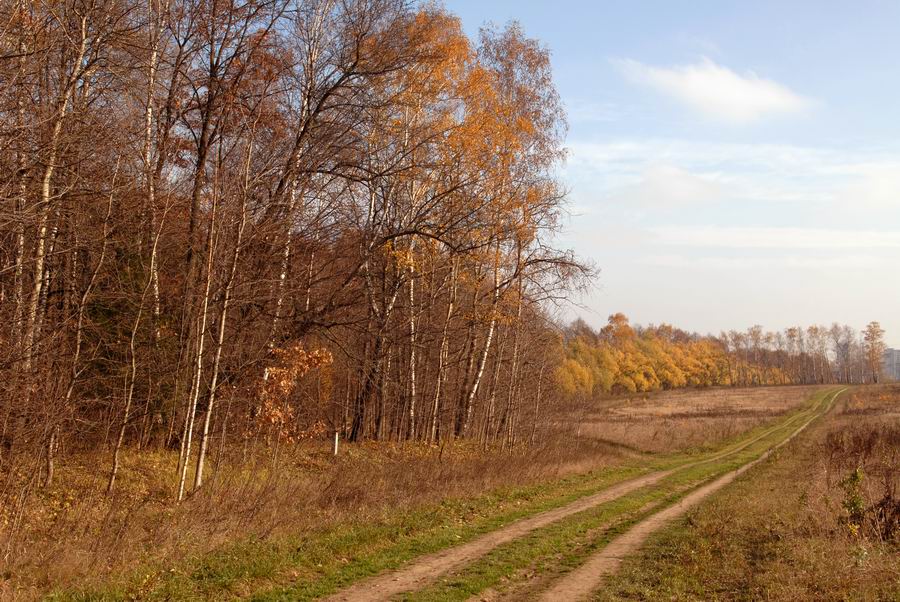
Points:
x=622 y=359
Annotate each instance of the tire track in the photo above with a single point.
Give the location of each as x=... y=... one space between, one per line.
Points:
x=580 y=582
x=425 y=569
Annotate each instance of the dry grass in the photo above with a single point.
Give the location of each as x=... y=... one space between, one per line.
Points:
x=800 y=527
x=860 y=460
x=73 y=535
x=685 y=419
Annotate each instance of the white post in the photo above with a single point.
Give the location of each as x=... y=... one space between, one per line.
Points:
x=336 y=439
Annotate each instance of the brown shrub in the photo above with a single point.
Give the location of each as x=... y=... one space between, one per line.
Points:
x=865 y=444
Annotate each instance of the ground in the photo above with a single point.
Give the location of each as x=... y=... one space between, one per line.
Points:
x=463 y=522
x=786 y=530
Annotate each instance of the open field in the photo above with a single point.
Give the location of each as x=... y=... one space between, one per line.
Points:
x=318 y=522
x=820 y=521
x=681 y=419
x=543 y=563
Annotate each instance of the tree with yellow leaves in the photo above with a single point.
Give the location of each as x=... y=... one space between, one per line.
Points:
x=874 y=347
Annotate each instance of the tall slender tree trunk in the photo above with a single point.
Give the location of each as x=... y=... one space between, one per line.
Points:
x=537 y=401
x=479 y=373
x=21 y=192
x=149 y=168
x=220 y=338
x=411 y=434
x=442 y=356
x=485 y=352
x=511 y=405
x=286 y=250
x=487 y=432
x=44 y=203
x=198 y=363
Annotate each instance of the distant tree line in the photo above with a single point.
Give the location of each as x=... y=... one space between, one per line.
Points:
x=232 y=225
x=621 y=359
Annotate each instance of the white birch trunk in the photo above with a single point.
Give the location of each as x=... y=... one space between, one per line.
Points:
x=44 y=203
x=412 y=351
x=220 y=338
x=482 y=360
x=198 y=364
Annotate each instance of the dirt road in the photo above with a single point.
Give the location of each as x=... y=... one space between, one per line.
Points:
x=583 y=580
x=578 y=584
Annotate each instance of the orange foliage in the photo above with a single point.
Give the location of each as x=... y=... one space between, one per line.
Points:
x=276 y=416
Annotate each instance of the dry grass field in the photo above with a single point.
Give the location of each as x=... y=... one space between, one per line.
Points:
x=820 y=521
x=73 y=534
x=684 y=419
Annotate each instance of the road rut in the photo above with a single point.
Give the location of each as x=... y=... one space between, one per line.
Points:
x=425 y=569
x=579 y=584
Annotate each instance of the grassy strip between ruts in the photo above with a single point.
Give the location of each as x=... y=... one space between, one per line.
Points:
x=563 y=546
x=318 y=563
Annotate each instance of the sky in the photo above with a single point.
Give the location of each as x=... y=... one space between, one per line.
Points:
x=730 y=163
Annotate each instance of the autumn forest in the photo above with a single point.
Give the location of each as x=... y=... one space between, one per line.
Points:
x=261 y=222
x=620 y=359
x=253 y=223
x=231 y=229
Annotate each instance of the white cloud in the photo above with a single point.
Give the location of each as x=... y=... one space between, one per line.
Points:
x=721 y=156
x=668 y=186
x=774 y=238
x=875 y=185
x=844 y=179
x=717 y=91
x=768 y=263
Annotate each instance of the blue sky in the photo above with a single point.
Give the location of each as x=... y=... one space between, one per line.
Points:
x=730 y=163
